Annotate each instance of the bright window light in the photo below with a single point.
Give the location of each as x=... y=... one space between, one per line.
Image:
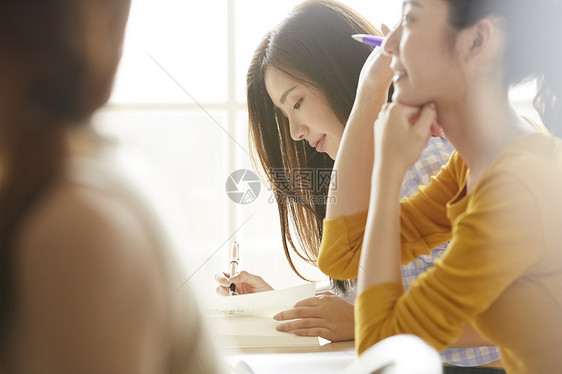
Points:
x=180 y=97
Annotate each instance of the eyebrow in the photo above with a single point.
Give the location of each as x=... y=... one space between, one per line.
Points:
x=285 y=94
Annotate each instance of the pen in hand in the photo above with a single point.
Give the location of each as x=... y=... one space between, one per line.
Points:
x=234 y=258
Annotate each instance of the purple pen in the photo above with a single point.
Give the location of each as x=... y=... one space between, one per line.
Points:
x=372 y=40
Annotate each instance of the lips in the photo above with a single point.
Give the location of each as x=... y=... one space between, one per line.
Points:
x=319 y=144
x=399 y=71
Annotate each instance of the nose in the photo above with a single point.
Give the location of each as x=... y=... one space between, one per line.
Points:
x=298 y=131
x=392 y=41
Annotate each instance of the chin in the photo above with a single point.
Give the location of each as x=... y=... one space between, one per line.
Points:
x=402 y=97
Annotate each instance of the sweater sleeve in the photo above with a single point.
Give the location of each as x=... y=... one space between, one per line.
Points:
x=492 y=245
x=342 y=237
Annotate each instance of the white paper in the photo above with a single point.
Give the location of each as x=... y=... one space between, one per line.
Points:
x=262 y=304
x=247 y=320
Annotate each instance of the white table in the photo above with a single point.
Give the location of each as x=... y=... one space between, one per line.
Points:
x=328 y=358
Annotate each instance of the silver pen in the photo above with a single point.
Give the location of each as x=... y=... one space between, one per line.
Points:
x=234 y=258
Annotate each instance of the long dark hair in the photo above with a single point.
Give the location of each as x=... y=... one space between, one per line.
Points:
x=532 y=31
x=312 y=45
x=49 y=84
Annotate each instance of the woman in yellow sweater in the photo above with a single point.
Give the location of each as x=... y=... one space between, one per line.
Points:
x=497 y=201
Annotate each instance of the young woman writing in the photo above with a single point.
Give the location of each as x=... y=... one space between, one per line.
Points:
x=301 y=87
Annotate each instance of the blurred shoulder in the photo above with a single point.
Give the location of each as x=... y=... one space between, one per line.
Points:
x=78 y=229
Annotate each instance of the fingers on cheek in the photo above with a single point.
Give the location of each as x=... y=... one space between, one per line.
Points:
x=384 y=110
x=436 y=130
x=428 y=114
x=413 y=119
x=395 y=115
x=384 y=117
x=389 y=109
x=428 y=125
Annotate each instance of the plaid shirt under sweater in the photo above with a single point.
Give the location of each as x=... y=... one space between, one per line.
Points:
x=434 y=156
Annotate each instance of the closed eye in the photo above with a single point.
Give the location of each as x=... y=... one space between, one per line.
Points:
x=407 y=18
x=298 y=104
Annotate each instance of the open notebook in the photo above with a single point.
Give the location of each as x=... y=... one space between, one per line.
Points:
x=247 y=320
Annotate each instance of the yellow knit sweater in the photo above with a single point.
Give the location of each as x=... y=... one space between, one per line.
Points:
x=502 y=271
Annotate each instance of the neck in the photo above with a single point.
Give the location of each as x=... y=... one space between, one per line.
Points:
x=481 y=125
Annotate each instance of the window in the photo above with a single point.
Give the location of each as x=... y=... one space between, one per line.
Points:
x=180 y=97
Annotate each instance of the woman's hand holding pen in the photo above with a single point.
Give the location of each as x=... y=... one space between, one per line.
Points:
x=376 y=74
x=325 y=315
x=245 y=283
